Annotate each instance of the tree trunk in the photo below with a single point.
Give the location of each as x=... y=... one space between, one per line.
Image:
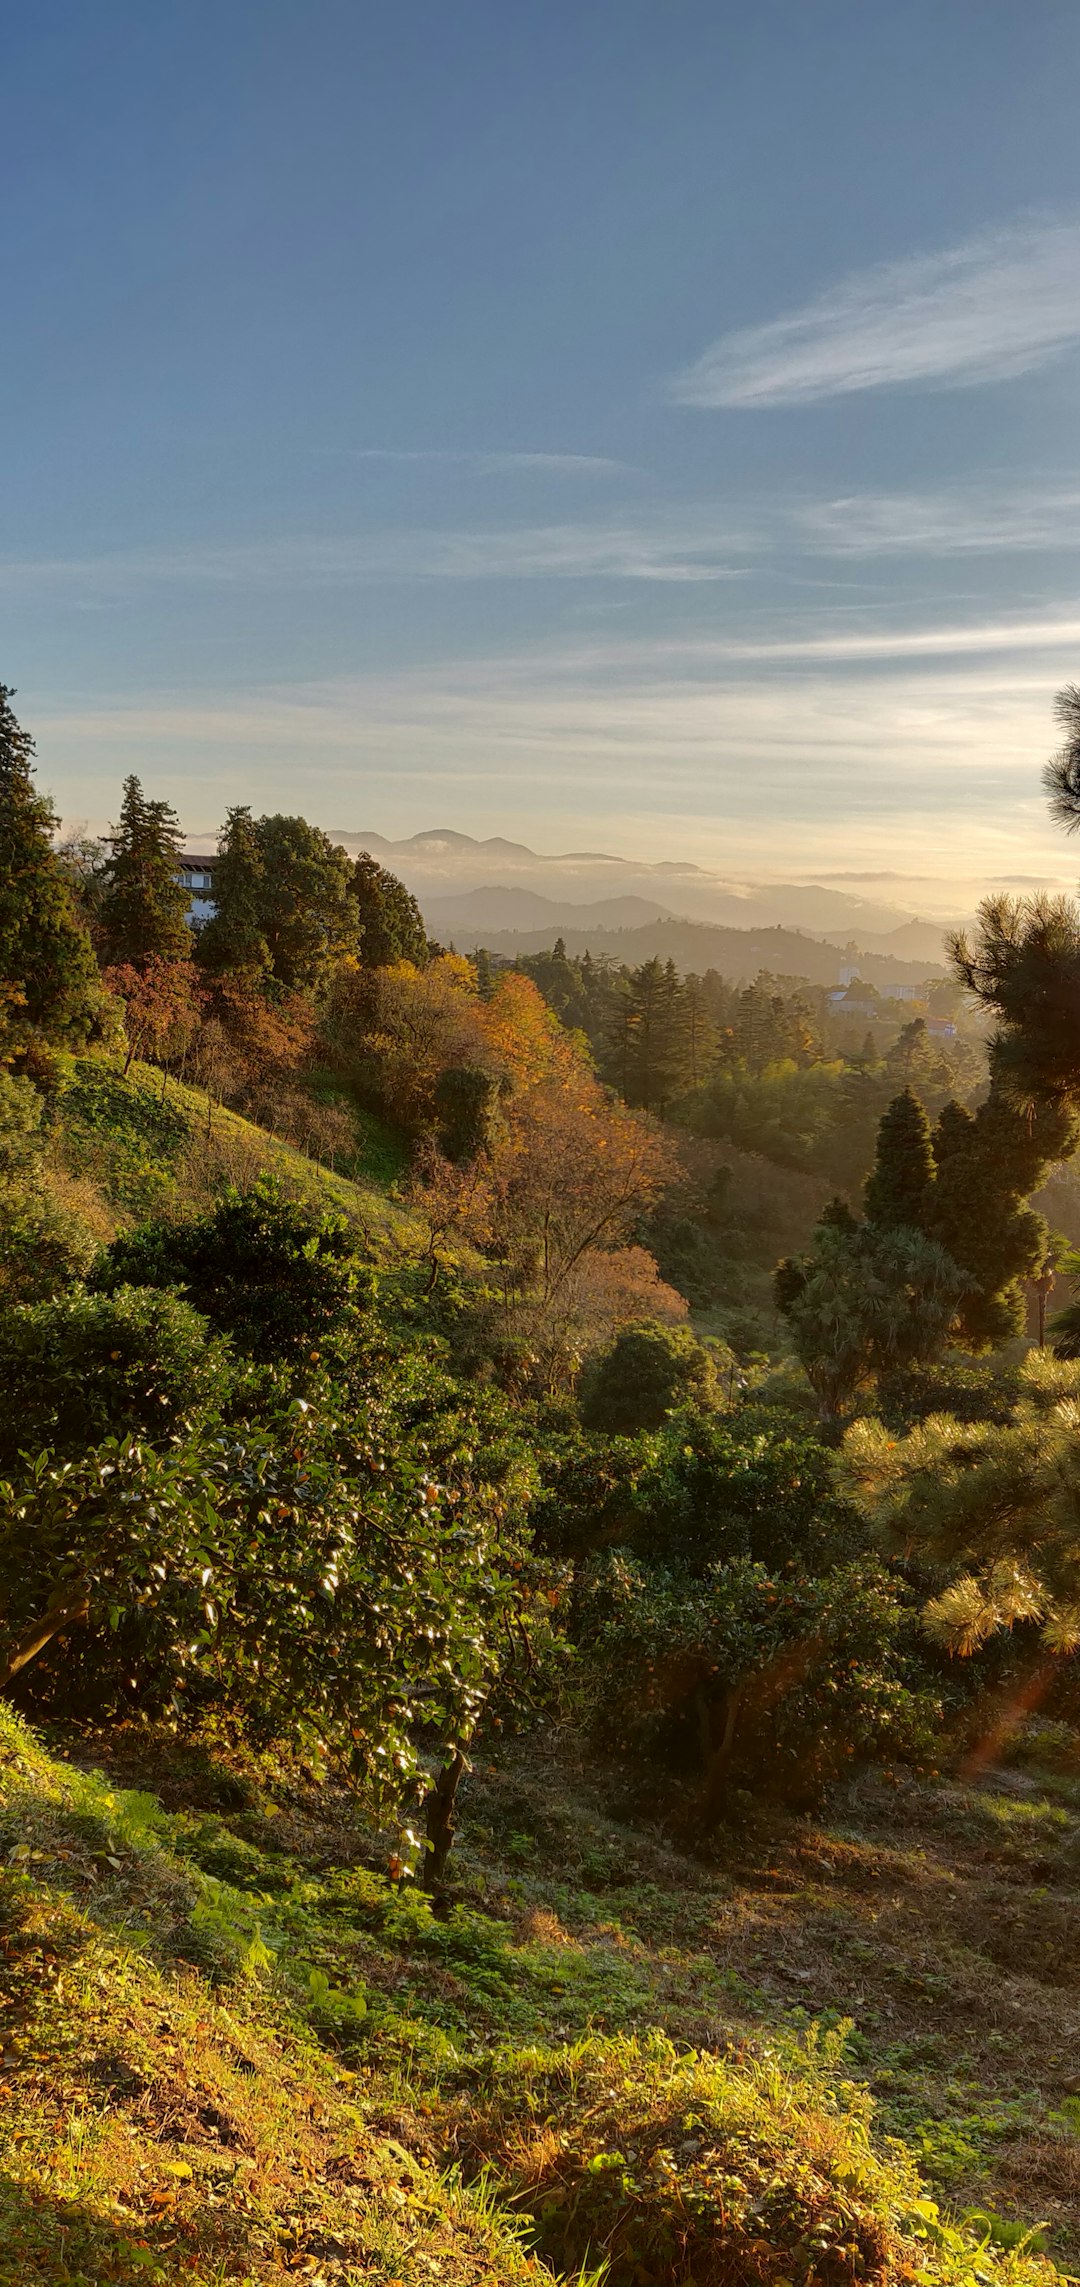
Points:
x=58 y=1615
x=718 y=1759
x=439 y=1819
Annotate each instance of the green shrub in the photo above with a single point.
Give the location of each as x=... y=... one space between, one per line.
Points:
x=715 y=2172
x=348 y=1590
x=43 y=1247
x=281 y=1281
x=703 y=1488
x=718 y=1489
x=586 y=1497
x=22 y=1140
x=744 y=1677
x=646 y=1373
x=82 y=1367
x=968 y=1389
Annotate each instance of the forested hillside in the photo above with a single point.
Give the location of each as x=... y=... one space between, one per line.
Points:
x=540 y=1592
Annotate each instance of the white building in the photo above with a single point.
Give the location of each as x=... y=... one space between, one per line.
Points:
x=196 y=873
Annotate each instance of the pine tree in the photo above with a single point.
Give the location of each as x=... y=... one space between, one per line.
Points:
x=898 y=1191
x=391 y=923
x=49 y=982
x=988 y=1163
x=485 y=973
x=648 y=1048
x=144 y=903
x=990 y=1507
x=699 y=1033
x=233 y=942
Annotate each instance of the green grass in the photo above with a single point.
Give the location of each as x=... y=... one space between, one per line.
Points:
x=166 y=2114
x=148 y=1145
x=233 y=2049
x=382 y=1156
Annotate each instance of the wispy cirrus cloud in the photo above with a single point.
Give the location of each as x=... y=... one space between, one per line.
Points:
x=995 y=306
x=965 y=521
x=477 y=463
x=748 y=769
x=627 y=551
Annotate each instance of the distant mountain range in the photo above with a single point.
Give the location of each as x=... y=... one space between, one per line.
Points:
x=513 y=899
x=739 y=954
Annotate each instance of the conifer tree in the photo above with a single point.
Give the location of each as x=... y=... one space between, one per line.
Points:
x=391 y=923
x=898 y=1191
x=649 y=1053
x=48 y=975
x=988 y=1163
x=144 y=903
x=698 y=1033
x=233 y=942
x=864 y=1301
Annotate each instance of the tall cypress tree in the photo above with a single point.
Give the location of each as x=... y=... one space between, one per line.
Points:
x=649 y=1063
x=698 y=1033
x=144 y=904
x=48 y=975
x=233 y=940
x=391 y=923
x=899 y=1188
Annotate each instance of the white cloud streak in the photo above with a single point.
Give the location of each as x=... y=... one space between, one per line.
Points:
x=835 y=762
x=976 y=520
x=477 y=463
x=710 y=543
x=530 y=552
x=993 y=307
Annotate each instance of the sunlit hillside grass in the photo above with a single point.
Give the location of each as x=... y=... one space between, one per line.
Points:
x=235 y=2050
x=127 y=1145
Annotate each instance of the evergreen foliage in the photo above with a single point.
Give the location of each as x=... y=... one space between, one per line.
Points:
x=865 y=1301
x=991 y=1508
x=647 y=1047
x=645 y=1374
x=988 y=1163
x=49 y=984
x=143 y=905
x=1023 y=966
x=468 y=1102
x=281 y=1281
x=83 y=1367
x=1061 y=777
x=321 y=1582
x=390 y=921
x=233 y=938
x=899 y=1190
x=307 y=912
x=747 y=1678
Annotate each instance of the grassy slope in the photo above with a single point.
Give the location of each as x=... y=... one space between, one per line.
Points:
x=157 y=2124
x=141 y=1149
x=168 y=2112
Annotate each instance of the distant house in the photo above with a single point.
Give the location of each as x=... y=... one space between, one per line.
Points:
x=941 y=1027
x=850 y=975
x=844 y=1002
x=196 y=873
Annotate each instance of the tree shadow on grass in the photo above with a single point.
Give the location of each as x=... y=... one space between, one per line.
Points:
x=48 y=2241
x=45 y=2240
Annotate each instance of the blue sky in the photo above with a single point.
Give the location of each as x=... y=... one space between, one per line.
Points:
x=651 y=426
